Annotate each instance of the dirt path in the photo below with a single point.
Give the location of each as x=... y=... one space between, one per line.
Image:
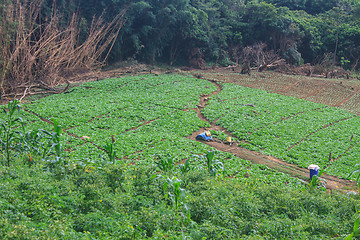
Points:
x=333 y=182
x=255 y=157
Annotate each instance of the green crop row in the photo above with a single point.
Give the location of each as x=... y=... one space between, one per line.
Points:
x=147 y=116
x=295 y=130
x=94 y=99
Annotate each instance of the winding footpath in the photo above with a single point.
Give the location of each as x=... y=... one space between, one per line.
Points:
x=333 y=183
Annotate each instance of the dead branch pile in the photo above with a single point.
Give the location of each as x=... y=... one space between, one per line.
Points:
x=324 y=67
x=256 y=57
x=43 y=56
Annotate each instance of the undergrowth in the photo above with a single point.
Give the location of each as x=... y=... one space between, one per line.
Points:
x=126 y=202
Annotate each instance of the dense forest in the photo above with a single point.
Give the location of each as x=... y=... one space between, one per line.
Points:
x=181 y=32
x=176 y=31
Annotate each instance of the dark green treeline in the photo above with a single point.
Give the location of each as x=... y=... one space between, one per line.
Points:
x=179 y=31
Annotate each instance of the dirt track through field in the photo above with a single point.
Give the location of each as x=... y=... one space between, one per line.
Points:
x=333 y=183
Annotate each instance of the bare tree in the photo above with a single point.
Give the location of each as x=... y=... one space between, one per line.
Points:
x=45 y=55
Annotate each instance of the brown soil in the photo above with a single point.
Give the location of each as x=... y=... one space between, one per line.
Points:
x=331 y=92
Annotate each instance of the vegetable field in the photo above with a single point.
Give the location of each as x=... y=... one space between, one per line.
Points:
x=124 y=166
x=149 y=115
x=296 y=130
x=146 y=115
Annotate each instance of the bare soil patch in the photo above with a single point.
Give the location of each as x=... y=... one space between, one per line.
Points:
x=341 y=93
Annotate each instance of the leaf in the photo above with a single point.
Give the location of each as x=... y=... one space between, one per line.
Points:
x=357 y=232
x=356 y=224
x=165 y=186
x=210 y=156
x=349 y=237
x=182 y=192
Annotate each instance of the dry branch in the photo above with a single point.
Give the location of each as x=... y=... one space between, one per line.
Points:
x=44 y=55
x=258 y=58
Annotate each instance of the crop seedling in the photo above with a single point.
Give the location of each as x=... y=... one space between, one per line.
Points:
x=176 y=193
x=109 y=149
x=184 y=168
x=57 y=138
x=212 y=165
x=164 y=163
x=356 y=171
x=8 y=135
x=56 y=141
x=54 y=145
x=317 y=182
x=33 y=142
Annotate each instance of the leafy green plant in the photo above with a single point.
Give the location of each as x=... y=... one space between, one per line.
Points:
x=212 y=164
x=356 y=171
x=53 y=148
x=165 y=163
x=172 y=191
x=9 y=136
x=109 y=149
x=56 y=139
x=185 y=167
x=317 y=182
x=176 y=193
x=356 y=229
x=35 y=142
x=114 y=176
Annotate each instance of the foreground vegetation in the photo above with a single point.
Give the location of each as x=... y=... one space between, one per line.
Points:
x=108 y=159
x=126 y=202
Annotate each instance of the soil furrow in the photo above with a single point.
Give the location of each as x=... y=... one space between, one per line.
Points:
x=317 y=90
x=284 y=119
x=347 y=99
x=41 y=118
x=258 y=158
x=289 y=86
x=322 y=128
x=65 y=131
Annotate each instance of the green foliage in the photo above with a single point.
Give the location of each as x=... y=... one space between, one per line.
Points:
x=9 y=136
x=165 y=163
x=110 y=150
x=85 y=196
x=295 y=130
x=168 y=31
x=356 y=229
x=317 y=182
x=176 y=193
x=185 y=167
x=213 y=165
x=56 y=140
x=115 y=176
x=356 y=171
